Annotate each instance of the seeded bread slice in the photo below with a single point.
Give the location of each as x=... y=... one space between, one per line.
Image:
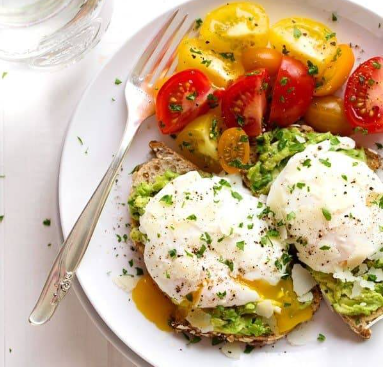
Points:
x=166 y=159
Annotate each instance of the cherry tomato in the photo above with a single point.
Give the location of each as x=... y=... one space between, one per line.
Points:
x=263 y=57
x=293 y=91
x=337 y=72
x=244 y=102
x=233 y=149
x=364 y=96
x=305 y=39
x=219 y=67
x=236 y=26
x=181 y=99
x=327 y=114
x=198 y=141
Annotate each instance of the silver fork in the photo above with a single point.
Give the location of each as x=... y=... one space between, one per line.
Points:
x=156 y=60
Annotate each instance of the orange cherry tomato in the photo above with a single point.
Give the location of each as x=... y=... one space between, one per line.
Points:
x=336 y=73
x=233 y=149
x=262 y=57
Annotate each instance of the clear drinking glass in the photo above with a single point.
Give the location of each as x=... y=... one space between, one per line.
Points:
x=51 y=33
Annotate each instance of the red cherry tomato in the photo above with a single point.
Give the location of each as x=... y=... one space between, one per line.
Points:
x=363 y=100
x=292 y=94
x=181 y=99
x=244 y=102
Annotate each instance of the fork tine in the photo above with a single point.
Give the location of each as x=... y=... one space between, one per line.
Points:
x=173 y=53
x=165 y=48
x=146 y=55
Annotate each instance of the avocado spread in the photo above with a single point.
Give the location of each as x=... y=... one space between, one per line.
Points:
x=274 y=149
x=140 y=197
x=240 y=320
x=339 y=293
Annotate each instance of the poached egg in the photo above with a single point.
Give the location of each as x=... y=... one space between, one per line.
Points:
x=330 y=204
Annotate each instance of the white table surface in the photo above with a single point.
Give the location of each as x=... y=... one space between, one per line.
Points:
x=35 y=109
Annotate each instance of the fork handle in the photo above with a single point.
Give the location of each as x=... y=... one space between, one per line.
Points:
x=63 y=271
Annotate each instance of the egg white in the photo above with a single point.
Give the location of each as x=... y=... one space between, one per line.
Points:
x=228 y=214
x=330 y=182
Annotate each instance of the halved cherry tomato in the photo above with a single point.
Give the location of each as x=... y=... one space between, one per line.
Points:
x=219 y=67
x=263 y=57
x=244 y=102
x=198 y=141
x=236 y=26
x=181 y=99
x=364 y=96
x=337 y=72
x=233 y=149
x=305 y=39
x=327 y=114
x=293 y=91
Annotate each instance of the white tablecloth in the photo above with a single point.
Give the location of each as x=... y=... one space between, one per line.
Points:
x=35 y=108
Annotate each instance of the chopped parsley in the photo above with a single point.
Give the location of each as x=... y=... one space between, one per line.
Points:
x=228 y=56
x=206 y=62
x=80 y=140
x=198 y=23
x=188 y=253
x=221 y=295
x=223 y=182
x=324 y=248
x=334 y=18
x=241 y=245
x=284 y=80
x=47 y=222
x=228 y=263
x=243 y=138
x=206 y=238
x=173 y=253
x=167 y=199
x=191 y=96
x=330 y=35
x=301 y=185
x=371 y=277
x=236 y=195
x=248 y=349
x=296 y=32
x=201 y=251
x=194 y=51
x=131 y=262
x=216 y=340
x=307 y=163
x=344 y=177
x=325 y=162
x=290 y=216
x=5 y=73
x=139 y=271
x=175 y=107
x=117 y=81
x=321 y=338
x=192 y=217
x=313 y=69
x=326 y=214
x=376 y=65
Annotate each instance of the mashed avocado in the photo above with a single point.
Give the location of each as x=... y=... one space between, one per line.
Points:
x=276 y=147
x=144 y=191
x=241 y=320
x=339 y=294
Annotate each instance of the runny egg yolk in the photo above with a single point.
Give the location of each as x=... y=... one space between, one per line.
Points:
x=284 y=296
x=153 y=304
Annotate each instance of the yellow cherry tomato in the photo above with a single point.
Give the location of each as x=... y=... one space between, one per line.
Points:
x=235 y=26
x=327 y=114
x=233 y=149
x=220 y=68
x=336 y=73
x=262 y=57
x=309 y=41
x=198 y=142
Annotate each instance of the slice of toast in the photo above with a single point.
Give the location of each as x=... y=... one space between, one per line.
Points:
x=166 y=159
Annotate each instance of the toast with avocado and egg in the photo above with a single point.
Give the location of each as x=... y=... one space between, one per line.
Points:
x=326 y=192
x=208 y=246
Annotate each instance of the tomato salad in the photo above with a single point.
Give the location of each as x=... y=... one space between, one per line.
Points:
x=240 y=77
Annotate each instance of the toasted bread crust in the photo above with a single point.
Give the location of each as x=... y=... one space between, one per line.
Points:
x=166 y=159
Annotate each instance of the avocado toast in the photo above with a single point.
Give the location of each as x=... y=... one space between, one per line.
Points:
x=273 y=150
x=245 y=326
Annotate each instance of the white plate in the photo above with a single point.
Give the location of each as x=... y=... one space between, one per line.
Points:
x=99 y=122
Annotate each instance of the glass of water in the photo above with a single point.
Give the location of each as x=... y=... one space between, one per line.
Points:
x=51 y=33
